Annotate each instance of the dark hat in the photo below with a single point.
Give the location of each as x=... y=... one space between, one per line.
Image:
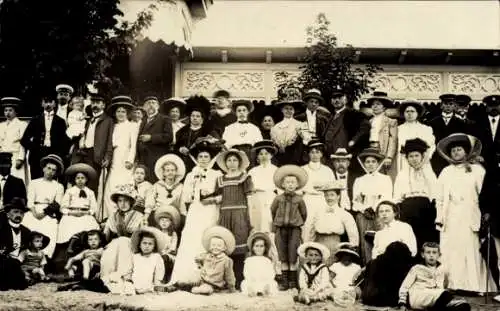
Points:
x=463 y=100
x=55 y=159
x=267 y=144
x=16 y=203
x=243 y=102
x=413 y=103
x=471 y=144
x=492 y=100
x=45 y=239
x=5 y=157
x=445 y=98
x=148 y=98
x=198 y=103
x=379 y=96
x=315 y=143
x=222 y=93
x=119 y=101
x=13 y=102
x=95 y=97
x=416 y=144
x=64 y=88
x=313 y=93
x=371 y=152
x=206 y=144
x=174 y=102
x=267 y=110
x=337 y=91
x=291 y=97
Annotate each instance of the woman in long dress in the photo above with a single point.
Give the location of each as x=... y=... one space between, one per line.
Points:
x=411 y=129
x=458 y=215
x=199 y=207
x=124 y=150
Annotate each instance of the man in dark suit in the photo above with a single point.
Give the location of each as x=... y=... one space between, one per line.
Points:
x=444 y=125
x=155 y=136
x=347 y=128
x=462 y=112
x=10 y=186
x=14 y=238
x=45 y=134
x=96 y=146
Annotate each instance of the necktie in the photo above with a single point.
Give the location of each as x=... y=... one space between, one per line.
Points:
x=16 y=229
x=82 y=194
x=2 y=185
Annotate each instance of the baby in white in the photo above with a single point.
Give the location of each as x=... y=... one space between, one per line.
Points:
x=76 y=119
x=343 y=273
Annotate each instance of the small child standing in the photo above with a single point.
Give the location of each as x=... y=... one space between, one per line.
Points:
x=90 y=258
x=342 y=274
x=167 y=219
x=142 y=187
x=33 y=259
x=289 y=213
x=425 y=285
x=259 y=269
x=314 y=278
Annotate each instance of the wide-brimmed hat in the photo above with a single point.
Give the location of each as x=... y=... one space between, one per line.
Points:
x=168 y=210
x=346 y=248
x=371 y=152
x=160 y=238
x=332 y=185
x=379 y=96
x=221 y=159
x=206 y=144
x=86 y=169
x=267 y=144
x=470 y=142
x=341 y=153
x=118 y=102
x=16 y=203
x=313 y=93
x=446 y=98
x=243 y=102
x=258 y=235
x=54 y=159
x=290 y=170
x=174 y=102
x=125 y=190
x=45 y=239
x=325 y=252
x=413 y=103
x=291 y=97
x=415 y=144
x=200 y=104
x=492 y=100
x=65 y=88
x=463 y=100
x=172 y=158
x=13 y=102
x=222 y=233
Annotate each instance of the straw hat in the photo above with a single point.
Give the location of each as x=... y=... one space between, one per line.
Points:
x=172 y=158
x=267 y=144
x=325 y=253
x=45 y=239
x=258 y=235
x=341 y=153
x=125 y=190
x=290 y=170
x=470 y=142
x=315 y=143
x=332 y=185
x=313 y=93
x=54 y=159
x=13 y=102
x=86 y=169
x=174 y=102
x=135 y=239
x=379 y=96
x=119 y=101
x=65 y=88
x=371 y=152
x=221 y=159
x=168 y=210
x=413 y=103
x=222 y=233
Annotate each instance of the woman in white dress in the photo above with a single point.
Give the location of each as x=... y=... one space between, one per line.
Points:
x=198 y=205
x=411 y=129
x=458 y=215
x=124 y=150
x=319 y=175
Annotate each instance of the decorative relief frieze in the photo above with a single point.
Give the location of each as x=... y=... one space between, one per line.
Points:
x=205 y=81
x=409 y=82
x=470 y=83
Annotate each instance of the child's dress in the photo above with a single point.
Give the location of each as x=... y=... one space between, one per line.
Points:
x=147 y=272
x=162 y=194
x=344 y=291
x=259 y=276
x=32 y=261
x=73 y=201
x=76 y=123
x=422 y=286
x=265 y=192
x=314 y=282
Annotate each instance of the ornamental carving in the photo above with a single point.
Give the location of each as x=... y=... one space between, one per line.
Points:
x=474 y=83
x=408 y=82
x=197 y=81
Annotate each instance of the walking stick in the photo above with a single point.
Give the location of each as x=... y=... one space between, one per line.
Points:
x=104 y=179
x=488 y=250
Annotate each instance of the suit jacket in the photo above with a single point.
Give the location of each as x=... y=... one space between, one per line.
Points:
x=321 y=121
x=6 y=241
x=103 y=138
x=14 y=187
x=34 y=136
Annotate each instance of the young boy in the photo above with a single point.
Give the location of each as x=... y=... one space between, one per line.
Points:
x=289 y=213
x=425 y=285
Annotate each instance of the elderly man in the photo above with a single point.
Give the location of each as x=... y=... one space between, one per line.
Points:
x=155 y=136
x=64 y=93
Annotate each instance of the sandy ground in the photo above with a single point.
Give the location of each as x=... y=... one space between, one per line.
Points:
x=44 y=297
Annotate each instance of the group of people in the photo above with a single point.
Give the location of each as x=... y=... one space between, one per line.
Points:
x=301 y=194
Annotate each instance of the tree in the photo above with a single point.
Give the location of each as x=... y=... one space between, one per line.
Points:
x=43 y=43
x=327 y=66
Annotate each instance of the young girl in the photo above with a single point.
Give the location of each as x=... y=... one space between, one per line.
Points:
x=90 y=258
x=314 y=278
x=425 y=285
x=167 y=219
x=289 y=213
x=235 y=188
x=366 y=196
x=343 y=272
x=167 y=191
x=259 y=270
x=142 y=186
x=79 y=204
x=33 y=259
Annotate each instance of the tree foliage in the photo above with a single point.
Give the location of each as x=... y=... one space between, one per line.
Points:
x=43 y=43
x=326 y=66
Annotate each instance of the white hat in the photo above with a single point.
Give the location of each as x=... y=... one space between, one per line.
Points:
x=65 y=87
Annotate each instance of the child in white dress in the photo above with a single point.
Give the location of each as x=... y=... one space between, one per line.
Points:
x=76 y=120
x=342 y=274
x=259 y=269
x=167 y=219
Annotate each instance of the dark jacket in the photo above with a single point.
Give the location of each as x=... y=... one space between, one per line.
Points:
x=14 y=187
x=103 y=139
x=288 y=210
x=321 y=121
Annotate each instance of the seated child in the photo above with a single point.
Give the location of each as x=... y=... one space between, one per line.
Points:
x=90 y=258
x=314 y=278
x=33 y=259
x=167 y=219
x=425 y=285
x=259 y=269
x=343 y=273
x=142 y=186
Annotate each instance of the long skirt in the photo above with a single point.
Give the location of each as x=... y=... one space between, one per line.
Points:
x=331 y=241
x=116 y=259
x=47 y=226
x=199 y=218
x=365 y=224
x=420 y=214
x=314 y=202
x=71 y=225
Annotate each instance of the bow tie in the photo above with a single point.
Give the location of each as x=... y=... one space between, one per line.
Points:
x=243 y=122
x=82 y=194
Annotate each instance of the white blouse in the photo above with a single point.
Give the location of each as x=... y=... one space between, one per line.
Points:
x=318 y=175
x=414 y=130
x=71 y=200
x=198 y=182
x=125 y=136
x=335 y=220
x=396 y=231
x=415 y=183
x=262 y=177
x=286 y=132
x=241 y=133
x=42 y=192
x=11 y=133
x=370 y=189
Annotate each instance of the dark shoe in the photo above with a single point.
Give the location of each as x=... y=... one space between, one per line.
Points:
x=292 y=279
x=283 y=281
x=165 y=288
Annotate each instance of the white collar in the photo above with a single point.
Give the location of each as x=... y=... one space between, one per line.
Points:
x=445 y=115
x=494 y=118
x=314 y=165
x=223 y=112
x=97 y=115
x=311 y=113
x=48 y=114
x=340 y=110
x=14 y=225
